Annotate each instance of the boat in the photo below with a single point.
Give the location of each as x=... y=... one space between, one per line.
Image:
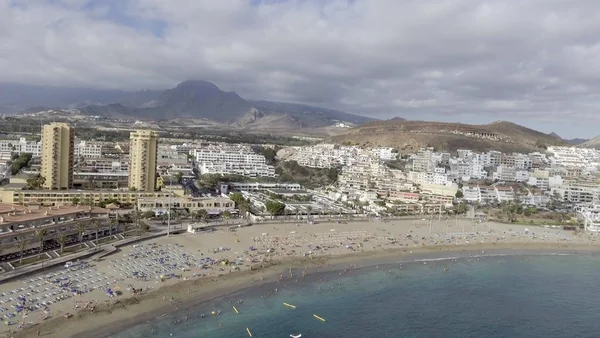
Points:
x=296 y=336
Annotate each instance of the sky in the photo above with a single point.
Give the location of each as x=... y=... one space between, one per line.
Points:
x=533 y=62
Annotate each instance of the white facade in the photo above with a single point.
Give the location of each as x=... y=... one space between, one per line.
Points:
x=88 y=150
x=331 y=156
x=21 y=146
x=232 y=160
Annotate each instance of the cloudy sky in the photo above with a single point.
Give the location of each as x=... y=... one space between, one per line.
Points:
x=534 y=62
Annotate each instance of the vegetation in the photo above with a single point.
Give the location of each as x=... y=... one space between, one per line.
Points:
x=269 y=153
x=515 y=212
x=35 y=182
x=19 y=162
x=23 y=242
x=275 y=208
x=309 y=177
x=62 y=240
x=202 y=214
x=41 y=235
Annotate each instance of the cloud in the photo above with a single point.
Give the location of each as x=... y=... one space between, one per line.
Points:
x=378 y=57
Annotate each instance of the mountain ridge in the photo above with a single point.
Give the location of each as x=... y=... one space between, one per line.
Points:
x=191 y=99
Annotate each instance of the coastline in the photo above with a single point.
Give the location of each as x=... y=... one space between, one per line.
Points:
x=112 y=317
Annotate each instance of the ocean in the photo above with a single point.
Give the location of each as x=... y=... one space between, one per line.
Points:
x=543 y=295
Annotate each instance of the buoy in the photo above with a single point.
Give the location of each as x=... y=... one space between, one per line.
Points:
x=319 y=318
x=234 y=309
x=290 y=305
x=248 y=330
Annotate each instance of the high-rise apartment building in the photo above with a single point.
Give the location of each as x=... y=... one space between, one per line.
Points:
x=58 y=155
x=142 y=160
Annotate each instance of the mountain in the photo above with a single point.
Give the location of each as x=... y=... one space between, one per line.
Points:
x=189 y=99
x=192 y=99
x=411 y=136
x=573 y=141
x=15 y=98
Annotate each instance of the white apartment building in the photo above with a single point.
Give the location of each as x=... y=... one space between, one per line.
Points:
x=579 y=193
x=82 y=149
x=420 y=177
x=384 y=154
x=574 y=157
x=167 y=156
x=331 y=156
x=227 y=159
x=88 y=150
x=424 y=161
x=476 y=193
x=21 y=146
x=236 y=168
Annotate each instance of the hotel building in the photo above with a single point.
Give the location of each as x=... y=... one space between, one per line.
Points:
x=142 y=160
x=57 y=156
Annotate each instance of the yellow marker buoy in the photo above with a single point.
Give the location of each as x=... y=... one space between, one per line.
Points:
x=290 y=305
x=234 y=309
x=319 y=318
x=248 y=330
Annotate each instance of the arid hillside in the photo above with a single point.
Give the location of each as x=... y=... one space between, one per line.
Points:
x=408 y=136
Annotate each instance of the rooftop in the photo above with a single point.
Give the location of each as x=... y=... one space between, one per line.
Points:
x=11 y=213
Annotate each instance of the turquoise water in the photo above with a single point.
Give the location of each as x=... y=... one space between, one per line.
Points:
x=497 y=296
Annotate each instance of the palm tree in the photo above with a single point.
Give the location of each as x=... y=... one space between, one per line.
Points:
x=243 y=209
x=80 y=230
x=22 y=246
x=40 y=234
x=308 y=211
x=111 y=223
x=62 y=240
x=96 y=226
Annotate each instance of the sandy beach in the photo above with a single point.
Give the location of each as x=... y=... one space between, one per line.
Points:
x=186 y=269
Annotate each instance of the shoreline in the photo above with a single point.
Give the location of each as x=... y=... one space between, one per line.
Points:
x=127 y=312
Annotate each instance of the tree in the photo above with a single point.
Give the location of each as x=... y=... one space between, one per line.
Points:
x=237 y=198
x=75 y=201
x=111 y=224
x=96 y=226
x=40 y=235
x=62 y=240
x=243 y=209
x=36 y=181
x=226 y=214
x=19 y=162
x=22 y=246
x=202 y=214
x=179 y=177
x=143 y=228
x=149 y=214
x=275 y=208
x=80 y=230
x=461 y=208
x=459 y=194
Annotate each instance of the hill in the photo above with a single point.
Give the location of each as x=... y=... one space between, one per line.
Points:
x=591 y=143
x=409 y=136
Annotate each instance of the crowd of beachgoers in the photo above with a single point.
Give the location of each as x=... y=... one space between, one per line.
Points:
x=31 y=304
